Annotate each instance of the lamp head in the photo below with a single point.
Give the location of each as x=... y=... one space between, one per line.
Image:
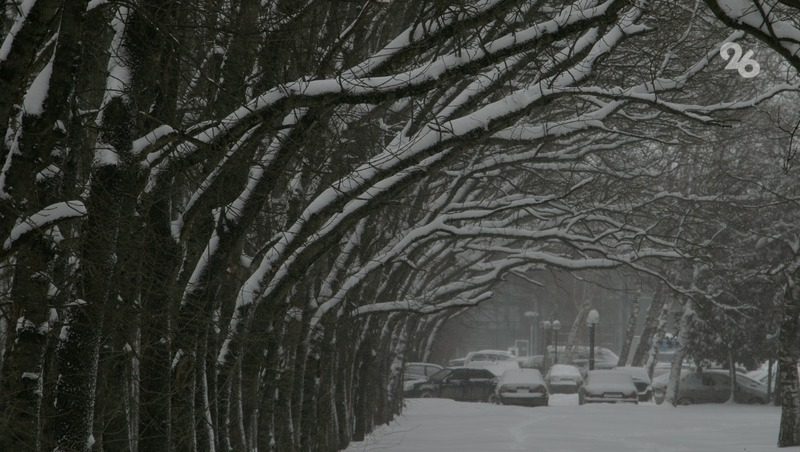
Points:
x=593 y=318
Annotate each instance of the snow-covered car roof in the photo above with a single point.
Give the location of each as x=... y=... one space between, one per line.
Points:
x=565 y=370
x=609 y=381
x=489 y=355
x=495 y=367
x=424 y=364
x=521 y=376
x=608 y=376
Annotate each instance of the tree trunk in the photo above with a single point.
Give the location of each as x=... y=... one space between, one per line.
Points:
x=652 y=356
x=778 y=399
x=651 y=326
x=732 y=374
x=156 y=379
x=79 y=342
x=577 y=325
x=673 y=388
x=770 y=389
x=787 y=367
x=630 y=330
x=24 y=370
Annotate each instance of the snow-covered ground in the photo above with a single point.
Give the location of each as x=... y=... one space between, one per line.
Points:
x=438 y=425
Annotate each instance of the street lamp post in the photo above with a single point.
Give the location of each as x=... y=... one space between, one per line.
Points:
x=592 y=320
x=546 y=327
x=531 y=315
x=556 y=329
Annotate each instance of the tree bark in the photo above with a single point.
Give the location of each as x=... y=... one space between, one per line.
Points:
x=79 y=343
x=651 y=324
x=23 y=372
x=732 y=375
x=789 y=434
x=577 y=325
x=630 y=330
x=673 y=387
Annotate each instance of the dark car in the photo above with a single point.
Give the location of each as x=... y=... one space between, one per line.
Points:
x=608 y=386
x=463 y=384
x=415 y=375
x=414 y=371
x=578 y=356
x=711 y=386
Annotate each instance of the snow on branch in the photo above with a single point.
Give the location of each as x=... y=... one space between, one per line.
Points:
x=401 y=159
x=694 y=111
x=344 y=89
x=427 y=30
x=234 y=213
x=42 y=219
x=20 y=21
x=33 y=103
x=581 y=263
x=119 y=73
x=762 y=19
x=420 y=307
x=152 y=138
x=117 y=84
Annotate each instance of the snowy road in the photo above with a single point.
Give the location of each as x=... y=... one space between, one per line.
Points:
x=436 y=425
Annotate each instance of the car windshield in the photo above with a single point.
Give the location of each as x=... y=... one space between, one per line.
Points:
x=740 y=378
x=562 y=370
x=606 y=355
x=609 y=377
x=521 y=376
x=441 y=375
x=408 y=376
x=489 y=357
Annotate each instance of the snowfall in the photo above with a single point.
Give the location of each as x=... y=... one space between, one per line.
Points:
x=439 y=425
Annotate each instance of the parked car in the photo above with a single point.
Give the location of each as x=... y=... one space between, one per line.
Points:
x=531 y=362
x=608 y=386
x=462 y=383
x=578 y=356
x=641 y=380
x=496 y=361
x=413 y=371
x=663 y=367
x=457 y=362
x=564 y=379
x=711 y=386
x=521 y=387
x=762 y=374
x=660 y=382
x=415 y=374
x=525 y=362
x=487 y=356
